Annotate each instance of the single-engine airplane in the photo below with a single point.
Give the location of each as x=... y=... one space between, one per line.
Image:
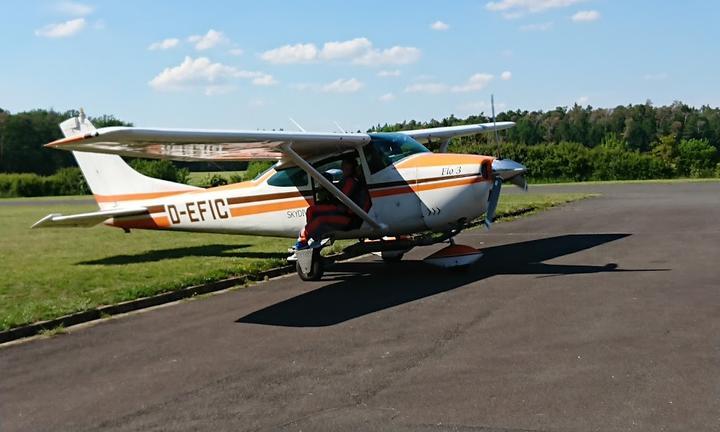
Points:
x=418 y=198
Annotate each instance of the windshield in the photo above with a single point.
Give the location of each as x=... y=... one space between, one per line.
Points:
x=385 y=149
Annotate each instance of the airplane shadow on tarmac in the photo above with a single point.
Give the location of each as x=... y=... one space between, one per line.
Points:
x=214 y=250
x=364 y=287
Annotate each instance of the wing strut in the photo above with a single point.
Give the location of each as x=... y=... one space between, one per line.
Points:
x=327 y=184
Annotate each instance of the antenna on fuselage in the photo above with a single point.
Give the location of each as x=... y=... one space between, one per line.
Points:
x=340 y=127
x=302 y=129
x=497 y=137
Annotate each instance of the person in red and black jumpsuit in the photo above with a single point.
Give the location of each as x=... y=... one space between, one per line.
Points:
x=323 y=218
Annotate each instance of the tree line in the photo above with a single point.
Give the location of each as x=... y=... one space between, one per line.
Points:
x=585 y=143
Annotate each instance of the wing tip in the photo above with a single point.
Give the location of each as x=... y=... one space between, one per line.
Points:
x=44 y=221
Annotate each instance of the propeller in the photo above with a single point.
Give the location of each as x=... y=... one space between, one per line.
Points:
x=504 y=170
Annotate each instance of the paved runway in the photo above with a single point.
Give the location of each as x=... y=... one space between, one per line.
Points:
x=600 y=315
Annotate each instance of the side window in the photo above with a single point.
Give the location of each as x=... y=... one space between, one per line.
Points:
x=331 y=168
x=289 y=177
x=376 y=157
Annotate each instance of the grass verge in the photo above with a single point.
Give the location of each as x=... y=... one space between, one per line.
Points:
x=48 y=273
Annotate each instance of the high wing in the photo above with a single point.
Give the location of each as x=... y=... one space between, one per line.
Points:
x=203 y=145
x=57 y=220
x=446 y=133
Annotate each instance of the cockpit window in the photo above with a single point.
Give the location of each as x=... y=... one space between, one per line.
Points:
x=289 y=177
x=385 y=149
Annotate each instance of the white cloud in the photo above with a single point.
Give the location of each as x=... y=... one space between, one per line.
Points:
x=63 y=29
x=387 y=97
x=439 y=26
x=236 y=51
x=358 y=50
x=164 y=44
x=213 y=90
x=506 y=76
x=343 y=86
x=583 y=100
x=396 y=55
x=656 y=76
x=298 y=53
x=427 y=87
x=518 y=8
x=208 y=40
x=74 y=8
x=537 y=27
x=586 y=16
x=264 y=80
x=476 y=82
x=201 y=73
x=389 y=73
x=346 y=49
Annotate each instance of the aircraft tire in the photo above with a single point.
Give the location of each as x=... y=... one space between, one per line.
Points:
x=392 y=256
x=316 y=268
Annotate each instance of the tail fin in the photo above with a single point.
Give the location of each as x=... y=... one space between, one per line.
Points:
x=113 y=182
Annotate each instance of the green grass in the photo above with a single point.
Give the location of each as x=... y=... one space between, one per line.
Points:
x=52 y=198
x=46 y=273
x=609 y=182
x=513 y=206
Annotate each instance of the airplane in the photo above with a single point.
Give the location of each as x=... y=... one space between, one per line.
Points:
x=418 y=198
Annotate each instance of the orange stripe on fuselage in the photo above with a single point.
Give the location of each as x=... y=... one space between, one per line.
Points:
x=426 y=186
x=142 y=222
x=268 y=208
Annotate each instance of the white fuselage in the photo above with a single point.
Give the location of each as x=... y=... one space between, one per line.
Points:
x=422 y=192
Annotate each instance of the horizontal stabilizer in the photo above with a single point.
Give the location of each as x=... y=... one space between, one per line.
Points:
x=57 y=220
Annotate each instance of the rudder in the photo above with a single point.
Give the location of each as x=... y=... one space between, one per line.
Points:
x=112 y=181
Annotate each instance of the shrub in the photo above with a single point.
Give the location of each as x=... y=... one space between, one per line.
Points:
x=696 y=157
x=70 y=181
x=574 y=162
x=161 y=169
x=213 y=180
x=236 y=178
x=255 y=168
x=67 y=181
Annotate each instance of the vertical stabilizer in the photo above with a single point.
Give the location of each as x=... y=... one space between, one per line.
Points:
x=113 y=182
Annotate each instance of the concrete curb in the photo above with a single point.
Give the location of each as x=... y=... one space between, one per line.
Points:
x=141 y=303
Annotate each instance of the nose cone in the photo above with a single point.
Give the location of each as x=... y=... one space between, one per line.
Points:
x=507 y=169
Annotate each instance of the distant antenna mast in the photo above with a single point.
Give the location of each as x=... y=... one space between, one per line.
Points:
x=497 y=137
x=297 y=124
x=340 y=127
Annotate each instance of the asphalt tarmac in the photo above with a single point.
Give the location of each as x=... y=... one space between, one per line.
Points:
x=600 y=315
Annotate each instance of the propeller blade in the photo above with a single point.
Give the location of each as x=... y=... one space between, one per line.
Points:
x=493 y=202
x=520 y=181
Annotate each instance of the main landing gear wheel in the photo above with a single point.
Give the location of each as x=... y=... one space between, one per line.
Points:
x=310 y=266
x=392 y=256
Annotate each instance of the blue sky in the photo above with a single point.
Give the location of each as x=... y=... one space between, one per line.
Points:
x=223 y=64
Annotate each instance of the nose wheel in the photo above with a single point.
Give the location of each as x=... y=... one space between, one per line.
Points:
x=309 y=264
